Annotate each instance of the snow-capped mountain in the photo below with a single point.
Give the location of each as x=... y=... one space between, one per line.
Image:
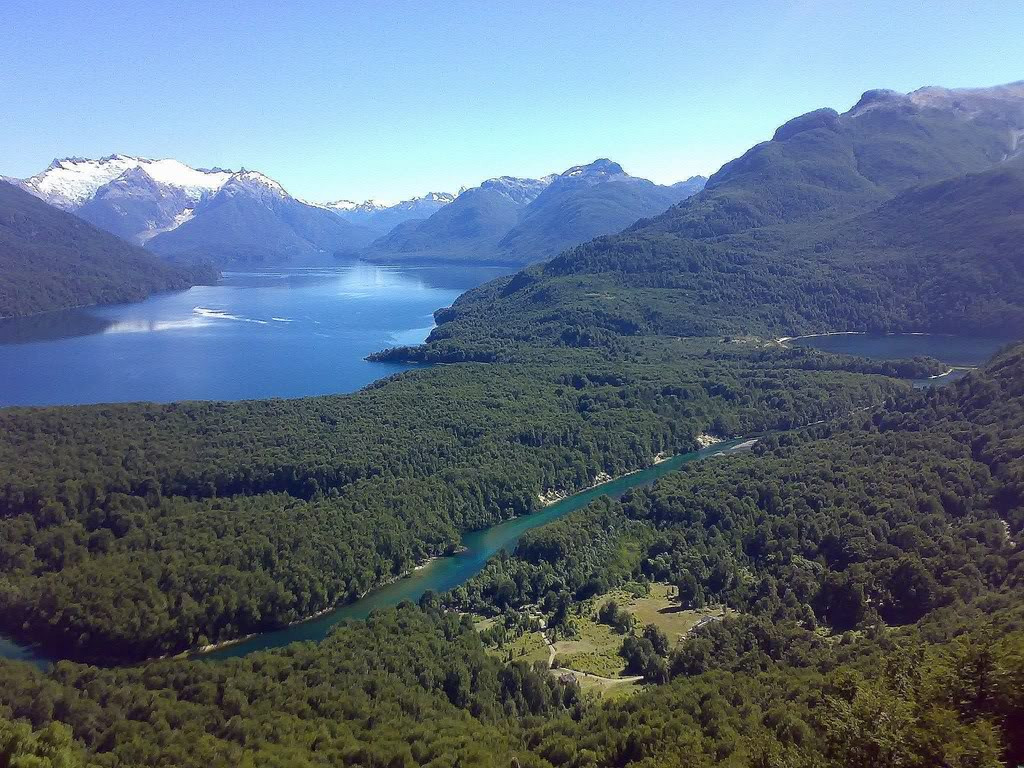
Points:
x=135 y=206
x=71 y=182
x=255 y=185
x=245 y=217
x=133 y=197
x=384 y=216
x=519 y=191
x=140 y=199
x=192 y=213
x=349 y=206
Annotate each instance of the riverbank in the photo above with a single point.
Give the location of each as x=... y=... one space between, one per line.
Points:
x=547 y=498
x=438 y=574
x=704 y=440
x=225 y=644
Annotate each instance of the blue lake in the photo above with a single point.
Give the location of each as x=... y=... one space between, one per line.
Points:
x=967 y=351
x=280 y=333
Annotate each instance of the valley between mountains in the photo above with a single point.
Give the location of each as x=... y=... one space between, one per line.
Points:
x=862 y=560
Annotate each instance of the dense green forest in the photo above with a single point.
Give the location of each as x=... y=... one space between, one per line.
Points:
x=139 y=530
x=50 y=260
x=131 y=531
x=883 y=517
x=880 y=623
x=868 y=546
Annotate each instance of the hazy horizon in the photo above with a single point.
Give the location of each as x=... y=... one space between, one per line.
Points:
x=395 y=100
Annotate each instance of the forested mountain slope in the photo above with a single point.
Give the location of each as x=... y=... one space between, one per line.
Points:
x=806 y=537
x=50 y=260
x=584 y=203
x=942 y=255
x=135 y=530
x=824 y=163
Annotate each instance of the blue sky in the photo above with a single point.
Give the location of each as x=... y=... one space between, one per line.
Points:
x=392 y=99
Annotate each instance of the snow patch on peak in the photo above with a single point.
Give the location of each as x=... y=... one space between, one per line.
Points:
x=341 y=205
x=518 y=190
x=434 y=197
x=601 y=169
x=375 y=205
x=254 y=180
x=177 y=174
x=255 y=177
x=153 y=230
x=70 y=182
x=253 y=184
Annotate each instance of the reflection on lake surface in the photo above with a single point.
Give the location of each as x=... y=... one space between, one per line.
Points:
x=278 y=333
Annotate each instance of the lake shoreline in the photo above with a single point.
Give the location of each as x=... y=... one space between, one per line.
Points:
x=95 y=304
x=955 y=351
x=823 y=334
x=254 y=335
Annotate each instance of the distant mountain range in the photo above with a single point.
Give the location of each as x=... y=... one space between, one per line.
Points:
x=905 y=213
x=229 y=217
x=251 y=221
x=382 y=217
x=509 y=220
x=816 y=206
x=244 y=218
x=50 y=259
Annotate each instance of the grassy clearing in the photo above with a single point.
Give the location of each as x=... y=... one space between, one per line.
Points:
x=660 y=609
x=480 y=624
x=595 y=649
x=593 y=653
x=605 y=689
x=528 y=647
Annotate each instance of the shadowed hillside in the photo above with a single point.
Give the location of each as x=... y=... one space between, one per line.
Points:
x=50 y=260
